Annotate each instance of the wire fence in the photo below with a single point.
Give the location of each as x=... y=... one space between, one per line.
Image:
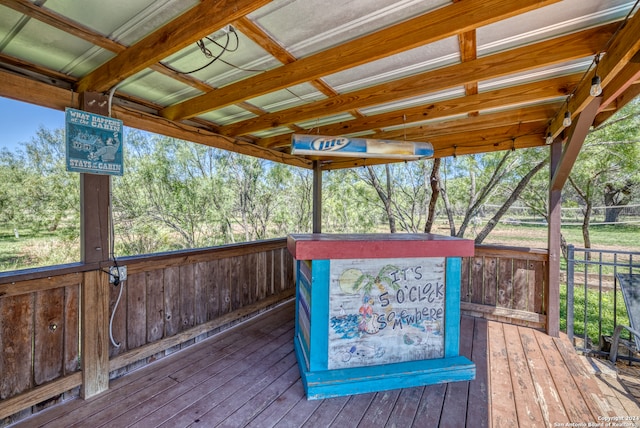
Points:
x=571 y=216
x=594 y=303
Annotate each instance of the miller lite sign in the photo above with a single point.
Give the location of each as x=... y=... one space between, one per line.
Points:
x=322 y=145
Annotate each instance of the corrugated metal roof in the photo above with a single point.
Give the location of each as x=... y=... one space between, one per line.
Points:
x=266 y=69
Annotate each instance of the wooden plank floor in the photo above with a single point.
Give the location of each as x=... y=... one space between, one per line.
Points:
x=248 y=376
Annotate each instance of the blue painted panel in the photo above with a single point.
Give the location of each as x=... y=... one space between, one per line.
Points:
x=319 y=347
x=360 y=380
x=452 y=307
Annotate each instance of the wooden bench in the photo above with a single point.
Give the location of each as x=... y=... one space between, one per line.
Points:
x=630 y=286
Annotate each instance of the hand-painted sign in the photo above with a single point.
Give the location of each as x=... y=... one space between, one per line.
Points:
x=386 y=311
x=94 y=143
x=319 y=145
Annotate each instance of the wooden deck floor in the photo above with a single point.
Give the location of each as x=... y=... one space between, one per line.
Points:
x=248 y=376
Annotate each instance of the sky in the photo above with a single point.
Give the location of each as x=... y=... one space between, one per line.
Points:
x=19 y=122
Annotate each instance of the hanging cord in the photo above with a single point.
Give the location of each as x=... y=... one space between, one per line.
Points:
x=116 y=274
x=113 y=342
x=116 y=281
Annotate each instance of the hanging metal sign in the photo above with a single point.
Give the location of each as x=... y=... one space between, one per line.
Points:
x=94 y=143
x=320 y=145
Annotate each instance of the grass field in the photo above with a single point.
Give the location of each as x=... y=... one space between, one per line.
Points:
x=596 y=314
x=29 y=248
x=609 y=237
x=44 y=248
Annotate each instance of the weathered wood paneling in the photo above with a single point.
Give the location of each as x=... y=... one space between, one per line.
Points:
x=504 y=278
x=200 y=283
x=213 y=290
x=49 y=335
x=465 y=283
x=224 y=286
x=155 y=304
x=171 y=301
x=71 y=329
x=490 y=291
x=136 y=331
x=16 y=332
x=510 y=280
x=173 y=296
x=187 y=296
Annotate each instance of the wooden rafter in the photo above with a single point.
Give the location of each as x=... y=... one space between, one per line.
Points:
x=55 y=20
x=255 y=33
x=628 y=76
x=196 y=23
x=467 y=42
x=473 y=124
x=621 y=51
x=415 y=32
x=489 y=140
x=622 y=100
x=573 y=46
x=619 y=70
x=578 y=133
x=57 y=98
x=521 y=94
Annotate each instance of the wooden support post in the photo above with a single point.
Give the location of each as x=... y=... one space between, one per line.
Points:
x=317 y=197
x=561 y=164
x=552 y=292
x=94 y=242
x=95 y=334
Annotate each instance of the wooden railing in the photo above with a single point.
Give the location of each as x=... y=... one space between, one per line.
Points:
x=505 y=283
x=168 y=301
x=172 y=300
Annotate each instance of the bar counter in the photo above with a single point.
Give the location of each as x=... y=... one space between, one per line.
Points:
x=378 y=311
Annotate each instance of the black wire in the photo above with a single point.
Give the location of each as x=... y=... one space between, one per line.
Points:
x=214 y=59
x=223 y=49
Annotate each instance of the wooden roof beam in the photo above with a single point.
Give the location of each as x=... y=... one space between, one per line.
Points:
x=427 y=28
x=60 y=22
x=627 y=77
x=578 y=133
x=262 y=39
x=34 y=92
x=472 y=124
x=623 y=99
x=622 y=50
x=525 y=93
x=493 y=140
x=565 y=48
x=468 y=45
x=196 y=23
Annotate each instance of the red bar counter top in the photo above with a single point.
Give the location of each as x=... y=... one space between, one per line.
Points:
x=323 y=246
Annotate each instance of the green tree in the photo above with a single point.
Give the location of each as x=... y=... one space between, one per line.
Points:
x=347 y=203
x=606 y=170
x=38 y=192
x=170 y=197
